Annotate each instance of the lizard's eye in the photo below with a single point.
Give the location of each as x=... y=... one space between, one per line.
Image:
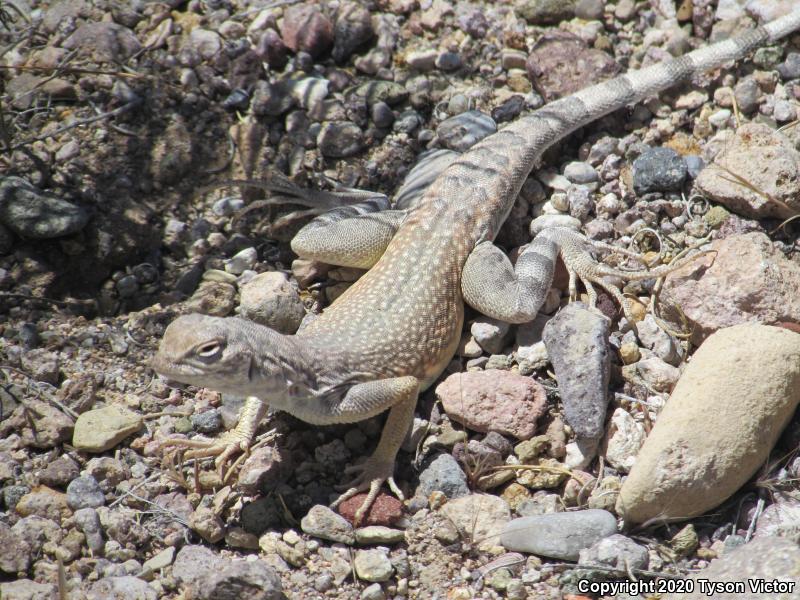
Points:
x=209 y=349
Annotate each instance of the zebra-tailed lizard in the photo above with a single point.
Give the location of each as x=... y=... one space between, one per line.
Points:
x=393 y=332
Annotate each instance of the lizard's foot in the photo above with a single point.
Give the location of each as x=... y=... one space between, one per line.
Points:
x=224 y=448
x=370 y=476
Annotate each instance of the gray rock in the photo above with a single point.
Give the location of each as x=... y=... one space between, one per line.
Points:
x=558 y=535
x=270 y=299
x=323 y=523
x=661 y=343
x=261 y=515
x=89 y=522
x=31 y=213
x=352 y=29
x=464 y=130
x=444 y=474
x=209 y=576
x=767 y=559
x=25 y=589
x=340 y=139
x=658 y=170
x=491 y=334
x=16 y=554
x=207 y=422
x=422 y=60
x=617 y=552
x=577 y=343
x=589 y=9
x=479 y=517
x=84 y=492
x=12 y=495
x=790 y=68
x=263 y=469
x=121 y=588
x=581 y=203
x=448 y=61
x=784 y=111
x=580 y=172
x=373 y=592
x=271 y=99
x=59 y=472
x=694 y=165
x=104 y=42
x=543 y=12
x=373 y=565
x=747 y=94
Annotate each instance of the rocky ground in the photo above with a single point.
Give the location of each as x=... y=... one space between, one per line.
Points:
x=121 y=123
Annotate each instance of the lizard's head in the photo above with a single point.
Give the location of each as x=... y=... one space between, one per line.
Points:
x=225 y=354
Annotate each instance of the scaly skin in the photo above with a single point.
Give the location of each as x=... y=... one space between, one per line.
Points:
x=394 y=331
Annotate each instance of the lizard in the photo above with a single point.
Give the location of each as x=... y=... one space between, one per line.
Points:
x=393 y=332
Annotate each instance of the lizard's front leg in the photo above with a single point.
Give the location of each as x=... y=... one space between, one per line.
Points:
x=229 y=443
x=367 y=399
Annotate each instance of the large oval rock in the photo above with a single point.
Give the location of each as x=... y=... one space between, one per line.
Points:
x=558 y=535
x=719 y=425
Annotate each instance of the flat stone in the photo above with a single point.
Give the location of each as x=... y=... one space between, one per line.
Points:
x=767 y=161
x=493 y=400
x=766 y=559
x=577 y=343
x=745 y=279
x=373 y=565
x=325 y=524
x=31 y=213
x=479 y=517
x=385 y=510
x=209 y=576
x=558 y=535
x=25 y=589
x=378 y=534
x=443 y=474
x=269 y=299
x=125 y=587
x=103 y=428
x=748 y=377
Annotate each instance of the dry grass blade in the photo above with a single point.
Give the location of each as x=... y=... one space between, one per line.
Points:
x=738 y=179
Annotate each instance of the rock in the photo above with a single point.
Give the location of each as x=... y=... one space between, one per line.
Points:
x=353 y=29
x=207 y=43
x=270 y=48
x=558 y=535
x=31 y=213
x=207 y=524
x=269 y=299
x=580 y=172
x=422 y=60
x=480 y=518
x=493 y=400
x=764 y=160
x=59 y=472
x=448 y=61
x=652 y=373
x=263 y=469
x=385 y=510
x=373 y=592
x=658 y=170
x=490 y=334
x=790 y=68
x=40 y=424
x=325 y=524
x=748 y=377
x=747 y=94
x=745 y=279
x=544 y=12
x=378 y=534
x=768 y=559
x=340 y=139
x=443 y=474
x=215 y=298
x=209 y=576
x=104 y=42
x=44 y=502
x=577 y=343
x=88 y=521
x=161 y=560
x=625 y=438
x=25 y=589
x=16 y=555
x=561 y=64
x=121 y=588
x=103 y=428
x=84 y=492
x=464 y=130
x=306 y=29
x=261 y=515
x=589 y=10
x=617 y=552
x=781 y=519
x=373 y=565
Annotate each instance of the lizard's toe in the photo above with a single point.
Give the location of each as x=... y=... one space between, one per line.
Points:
x=223 y=448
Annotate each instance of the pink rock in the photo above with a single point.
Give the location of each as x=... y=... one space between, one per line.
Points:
x=306 y=29
x=493 y=400
x=386 y=510
x=748 y=280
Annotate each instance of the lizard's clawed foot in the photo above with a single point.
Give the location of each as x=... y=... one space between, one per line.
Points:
x=371 y=475
x=224 y=448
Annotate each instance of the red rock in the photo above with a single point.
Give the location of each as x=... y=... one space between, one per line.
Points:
x=386 y=510
x=306 y=29
x=493 y=400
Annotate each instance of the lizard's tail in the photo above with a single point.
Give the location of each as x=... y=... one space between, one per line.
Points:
x=504 y=159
